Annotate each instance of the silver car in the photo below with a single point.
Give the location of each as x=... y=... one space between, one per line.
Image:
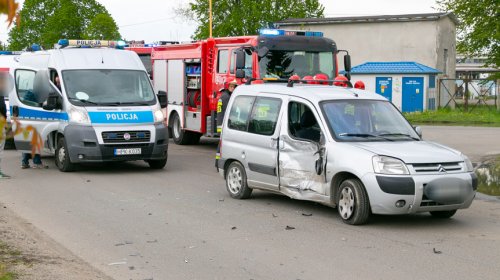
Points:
x=341 y=147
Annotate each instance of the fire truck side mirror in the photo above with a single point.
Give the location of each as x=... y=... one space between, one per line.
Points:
x=240 y=74
x=162 y=98
x=347 y=63
x=240 y=59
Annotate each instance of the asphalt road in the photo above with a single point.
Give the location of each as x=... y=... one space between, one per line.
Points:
x=134 y=223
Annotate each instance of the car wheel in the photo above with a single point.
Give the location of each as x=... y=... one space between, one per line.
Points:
x=63 y=162
x=157 y=164
x=352 y=202
x=236 y=181
x=443 y=214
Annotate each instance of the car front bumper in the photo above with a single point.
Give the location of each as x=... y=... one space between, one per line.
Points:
x=420 y=193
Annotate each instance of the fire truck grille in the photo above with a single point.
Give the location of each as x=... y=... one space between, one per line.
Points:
x=126 y=136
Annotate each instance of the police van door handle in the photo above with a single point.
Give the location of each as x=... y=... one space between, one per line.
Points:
x=15 y=111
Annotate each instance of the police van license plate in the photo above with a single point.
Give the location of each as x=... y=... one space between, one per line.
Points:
x=127 y=152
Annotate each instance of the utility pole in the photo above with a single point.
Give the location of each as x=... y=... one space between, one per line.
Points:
x=210 y=17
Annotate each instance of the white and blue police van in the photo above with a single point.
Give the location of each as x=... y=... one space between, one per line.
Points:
x=90 y=101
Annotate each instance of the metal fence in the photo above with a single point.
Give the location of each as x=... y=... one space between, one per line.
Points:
x=467 y=94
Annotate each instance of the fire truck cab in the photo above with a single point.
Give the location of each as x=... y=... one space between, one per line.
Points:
x=192 y=75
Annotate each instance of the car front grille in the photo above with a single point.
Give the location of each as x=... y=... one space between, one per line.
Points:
x=126 y=137
x=437 y=168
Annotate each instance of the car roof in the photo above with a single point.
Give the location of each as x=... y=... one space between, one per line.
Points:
x=313 y=93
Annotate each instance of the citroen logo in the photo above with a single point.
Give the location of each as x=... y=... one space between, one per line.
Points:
x=126 y=136
x=441 y=169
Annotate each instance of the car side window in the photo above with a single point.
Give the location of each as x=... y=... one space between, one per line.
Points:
x=240 y=111
x=264 y=116
x=302 y=123
x=222 y=67
x=25 y=80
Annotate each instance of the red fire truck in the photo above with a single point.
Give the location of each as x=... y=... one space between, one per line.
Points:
x=191 y=75
x=144 y=51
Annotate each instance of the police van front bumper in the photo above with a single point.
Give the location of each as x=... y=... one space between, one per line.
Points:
x=83 y=146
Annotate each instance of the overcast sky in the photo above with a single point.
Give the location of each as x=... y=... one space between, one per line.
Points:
x=154 y=20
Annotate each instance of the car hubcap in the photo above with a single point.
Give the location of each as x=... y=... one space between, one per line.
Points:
x=346 y=203
x=234 y=180
x=61 y=155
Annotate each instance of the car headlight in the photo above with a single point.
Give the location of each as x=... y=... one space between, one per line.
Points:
x=468 y=163
x=158 y=115
x=78 y=115
x=389 y=165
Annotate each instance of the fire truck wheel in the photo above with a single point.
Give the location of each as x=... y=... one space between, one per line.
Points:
x=180 y=136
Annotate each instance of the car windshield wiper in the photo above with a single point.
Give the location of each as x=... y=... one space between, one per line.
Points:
x=364 y=135
x=82 y=100
x=127 y=103
x=400 y=134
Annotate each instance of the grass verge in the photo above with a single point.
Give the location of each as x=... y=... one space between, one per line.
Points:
x=8 y=258
x=476 y=116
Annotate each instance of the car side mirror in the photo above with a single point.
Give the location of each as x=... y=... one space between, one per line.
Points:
x=240 y=74
x=8 y=84
x=418 y=130
x=162 y=98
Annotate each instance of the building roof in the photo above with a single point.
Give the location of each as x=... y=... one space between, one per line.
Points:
x=368 y=19
x=401 y=67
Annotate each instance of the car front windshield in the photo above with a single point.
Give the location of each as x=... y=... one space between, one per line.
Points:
x=283 y=64
x=367 y=120
x=108 y=87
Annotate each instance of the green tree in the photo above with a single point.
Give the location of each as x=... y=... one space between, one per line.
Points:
x=246 y=17
x=479 y=28
x=46 y=21
x=102 y=27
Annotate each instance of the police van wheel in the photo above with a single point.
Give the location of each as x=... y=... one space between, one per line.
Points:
x=236 y=181
x=352 y=202
x=63 y=161
x=157 y=164
x=180 y=136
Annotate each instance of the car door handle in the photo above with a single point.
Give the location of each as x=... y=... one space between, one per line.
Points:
x=15 y=111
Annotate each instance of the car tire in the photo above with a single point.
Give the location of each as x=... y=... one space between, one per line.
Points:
x=63 y=161
x=180 y=136
x=157 y=163
x=236 y=181
x=443 y=214
x=353 y=204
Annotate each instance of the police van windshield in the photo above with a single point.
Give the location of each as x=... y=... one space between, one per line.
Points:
x=367 y=120
x=108 y=87
x=283 y=64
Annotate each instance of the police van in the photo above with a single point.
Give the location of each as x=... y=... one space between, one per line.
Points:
x=90 y=101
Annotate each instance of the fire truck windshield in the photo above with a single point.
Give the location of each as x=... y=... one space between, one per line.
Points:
x=108 y=87
x=283 y=64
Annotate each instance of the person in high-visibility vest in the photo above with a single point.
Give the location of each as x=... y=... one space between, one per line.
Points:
x=231 y=84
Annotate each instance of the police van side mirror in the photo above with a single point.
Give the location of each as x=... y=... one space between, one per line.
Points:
x=53 y=102
x=162 y=98
x=42 y=87
x=240 y=59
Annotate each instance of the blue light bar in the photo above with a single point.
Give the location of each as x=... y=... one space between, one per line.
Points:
x=63 y=42
x=281 y=32
x=35 y=48
x=92 y=43
x=271 y=32
x=5 y=53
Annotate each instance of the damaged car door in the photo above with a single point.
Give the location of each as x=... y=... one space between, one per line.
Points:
x=301 y=154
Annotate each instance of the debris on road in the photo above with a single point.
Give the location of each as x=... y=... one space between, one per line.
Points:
x=152 y=241
x=289 y=228
x=275 y=216
x=307 y=214
x=117 y=263
x=233 y=228
x=436 y=251
x=131 y=267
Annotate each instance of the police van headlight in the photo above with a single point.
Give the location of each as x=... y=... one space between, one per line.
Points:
x=79 y=116
x=389 y=165
x=158 y=115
